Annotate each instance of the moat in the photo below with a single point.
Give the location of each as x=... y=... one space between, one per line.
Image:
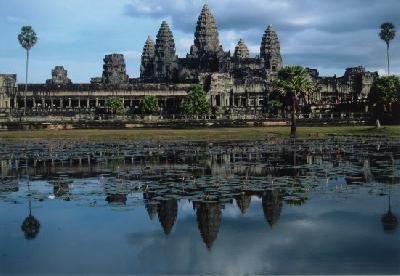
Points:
x=312 y=206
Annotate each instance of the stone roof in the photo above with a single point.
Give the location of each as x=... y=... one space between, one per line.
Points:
x=59 y=76
x=165 y=44
x=114 y=69
x=270 y=50
x=146 y=66
x=206 y=34
x=241 y=50
x=148 y=49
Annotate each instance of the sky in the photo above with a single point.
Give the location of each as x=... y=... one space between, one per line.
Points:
x=327 y=35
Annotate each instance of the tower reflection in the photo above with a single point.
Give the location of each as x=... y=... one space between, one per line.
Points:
x=208 y=220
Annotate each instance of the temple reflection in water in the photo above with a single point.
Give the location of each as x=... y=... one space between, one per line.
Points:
x=209 y=175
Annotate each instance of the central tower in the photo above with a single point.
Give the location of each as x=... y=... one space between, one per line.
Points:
x=206 y=39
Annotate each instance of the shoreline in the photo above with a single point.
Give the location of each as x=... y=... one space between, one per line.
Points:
x=203 y=134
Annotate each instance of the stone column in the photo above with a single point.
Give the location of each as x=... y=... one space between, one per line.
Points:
x=43 y=103
x=15 y=102
x=97 y=102
x=87 y=102
x=34 y=102
x=69 y=102
x=79 y=102
x=51 y=103
x=61 y=103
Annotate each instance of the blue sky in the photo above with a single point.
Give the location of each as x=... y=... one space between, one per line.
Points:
x=328 y=35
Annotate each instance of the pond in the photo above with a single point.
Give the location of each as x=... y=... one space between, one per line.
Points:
x=311 y=206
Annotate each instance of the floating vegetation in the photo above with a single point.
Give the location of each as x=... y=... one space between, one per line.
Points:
x=207 y=172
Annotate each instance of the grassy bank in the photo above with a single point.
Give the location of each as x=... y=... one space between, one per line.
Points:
x=255 y=133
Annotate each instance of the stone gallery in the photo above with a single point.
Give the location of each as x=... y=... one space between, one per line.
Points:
x=237 y=85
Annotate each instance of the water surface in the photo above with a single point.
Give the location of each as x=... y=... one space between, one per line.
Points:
x=268 y=207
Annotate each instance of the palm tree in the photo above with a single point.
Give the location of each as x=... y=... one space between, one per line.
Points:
x=294 y=83
x=387 y=33
x=27 y=38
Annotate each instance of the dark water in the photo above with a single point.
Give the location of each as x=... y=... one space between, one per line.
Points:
x=272 y=207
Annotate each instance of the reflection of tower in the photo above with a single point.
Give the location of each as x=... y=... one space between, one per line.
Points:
x=167 y=213
x=389 y=220
x=272 y=206
x=30 y=226
x=150 y=207
x=243 y=201
x=116 y=199
x=208 y=220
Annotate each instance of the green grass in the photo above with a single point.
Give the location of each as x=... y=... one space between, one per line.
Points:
x=250 y=133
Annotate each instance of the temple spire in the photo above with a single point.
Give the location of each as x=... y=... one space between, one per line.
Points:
x=270 y=50
x=241 y=50
x=206 y=35
x=165 y=56
x=146 y=68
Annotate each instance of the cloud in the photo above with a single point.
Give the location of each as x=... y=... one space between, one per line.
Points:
x=328 y=35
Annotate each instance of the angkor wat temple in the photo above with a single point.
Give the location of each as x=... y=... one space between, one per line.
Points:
x=238 y=86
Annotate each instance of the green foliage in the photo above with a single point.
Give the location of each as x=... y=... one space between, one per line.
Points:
x=150 y=105
x=115 y=104
x=388 y=32
x=294 y=81
x=196 y=103
x=275 y=105
x=385 y=90
x=27 y=38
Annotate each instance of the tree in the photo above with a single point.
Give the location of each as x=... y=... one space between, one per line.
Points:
x=384 y=91
x=27 y=38
x=387 y=33
x=196 y=103
x=115 y=104
x=293 y=82
x=150 y=105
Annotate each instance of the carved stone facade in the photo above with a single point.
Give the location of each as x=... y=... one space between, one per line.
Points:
x=165 y=56
x=8 y=88
x=114 y=70
x=147 y=64
x=59 y=76
x=353 y=86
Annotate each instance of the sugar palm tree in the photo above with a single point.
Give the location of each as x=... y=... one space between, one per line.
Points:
x=294 y=83
x=387 y=33
x=27 y=38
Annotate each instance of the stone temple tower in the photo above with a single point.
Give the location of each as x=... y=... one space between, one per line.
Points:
x=270 y=51
x=165 y=60
x=147 y=64
x=241 y=50
x=114 y=70
x=206 y=35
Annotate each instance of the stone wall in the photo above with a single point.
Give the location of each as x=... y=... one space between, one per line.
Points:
x=7 y=89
